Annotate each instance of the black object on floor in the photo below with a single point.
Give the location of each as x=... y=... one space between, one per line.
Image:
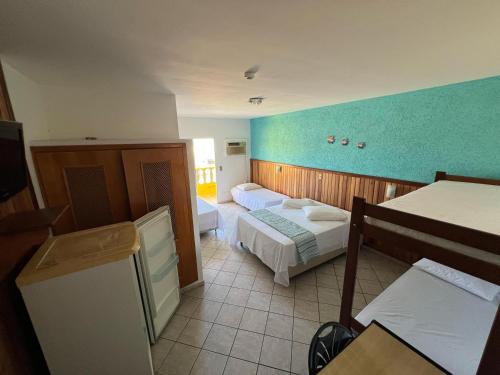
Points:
x=330 y=339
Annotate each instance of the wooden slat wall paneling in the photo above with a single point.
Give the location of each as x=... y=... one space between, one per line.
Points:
x=330 y=187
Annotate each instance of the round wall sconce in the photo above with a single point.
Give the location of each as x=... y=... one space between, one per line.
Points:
x=344 y=141
x=330 y=139
x=361 y=144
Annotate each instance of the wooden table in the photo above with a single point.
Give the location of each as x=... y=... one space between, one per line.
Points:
x=379 y=351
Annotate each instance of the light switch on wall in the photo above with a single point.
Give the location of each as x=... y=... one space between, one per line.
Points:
x=390 y=191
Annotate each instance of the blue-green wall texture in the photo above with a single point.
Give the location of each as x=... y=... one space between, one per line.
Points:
x=454 y=128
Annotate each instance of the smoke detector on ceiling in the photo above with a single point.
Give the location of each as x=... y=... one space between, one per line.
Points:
x=250 y=73
x=256 y=100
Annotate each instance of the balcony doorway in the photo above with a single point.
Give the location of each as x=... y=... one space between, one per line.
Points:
x=204 y=160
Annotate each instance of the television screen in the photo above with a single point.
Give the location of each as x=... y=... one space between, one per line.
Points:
x=13 y=176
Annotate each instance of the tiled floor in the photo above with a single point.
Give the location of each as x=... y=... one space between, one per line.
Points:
x=241 y=322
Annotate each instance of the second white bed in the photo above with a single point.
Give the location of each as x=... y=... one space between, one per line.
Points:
x=278 y=251
x=448 y=324
x=257 y=198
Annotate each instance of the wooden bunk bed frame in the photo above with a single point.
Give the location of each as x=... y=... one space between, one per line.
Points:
x=397 y=246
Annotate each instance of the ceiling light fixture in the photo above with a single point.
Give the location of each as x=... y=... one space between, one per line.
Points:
x=256 y=100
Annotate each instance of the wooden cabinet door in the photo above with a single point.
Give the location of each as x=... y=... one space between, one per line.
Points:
x=159 y=177
x=92 y=182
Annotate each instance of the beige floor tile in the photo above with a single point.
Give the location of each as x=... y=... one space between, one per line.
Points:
x=304 y=330
x=217 y=293
x=370 y=286
x=358 y=301
x=276 y=353
x=207 y=310
x=188 y=305
x=259 y=301
x=254 y=320
x=327 y=295
x=198 y=292
x=247 y=346
x=325 y=268
x=263 y=285
x=207 y=251
x=159 y=352
x=366 y=274
x=237 y=366
x=221 y=254
x=215 y=264
x=285 y=291
x=209 y=363
x=327 y=280
x=230 y=315
x=306 y=278
x=220 y=339
x=224 y=278
x=249 y=269
x=281 y=305
x=231 y=266
x=369 y=298
x=195 y=333
x=179 y=360
x=306 y=292
x=264 y=370
x=306 y=310
x=243 y=281
x=209 y=275
x=328 y=313
x=237 y=297
x=299 y=358
x=174 y=327
x=279 y=326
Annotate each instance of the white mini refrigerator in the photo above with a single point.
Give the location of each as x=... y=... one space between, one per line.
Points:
x=157 y=270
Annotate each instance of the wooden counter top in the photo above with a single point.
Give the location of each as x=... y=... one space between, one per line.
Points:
x=378 y=351
x=71 y=252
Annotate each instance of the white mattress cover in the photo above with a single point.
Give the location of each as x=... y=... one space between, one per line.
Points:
x=446 y=323
x=257 y=198
x=475 y=206
x=278 y=251
x=208 y=215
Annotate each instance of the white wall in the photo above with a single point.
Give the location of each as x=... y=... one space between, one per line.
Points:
x=106 y=113
x=235 y=169
x=27 y=103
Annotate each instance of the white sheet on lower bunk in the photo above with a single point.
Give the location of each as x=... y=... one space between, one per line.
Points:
x=278 y=251
x=208 y=215
x=469 y=205
x=257 y=198
x=446 y=323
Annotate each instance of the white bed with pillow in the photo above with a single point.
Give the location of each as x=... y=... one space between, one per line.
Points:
x=444 y=313
x=208 y=216
x=279 y=252
x=255 y=197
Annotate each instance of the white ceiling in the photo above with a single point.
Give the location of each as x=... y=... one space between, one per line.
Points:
x=311 y=52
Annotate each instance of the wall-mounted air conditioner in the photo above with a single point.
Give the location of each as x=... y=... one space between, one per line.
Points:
x=235 y=147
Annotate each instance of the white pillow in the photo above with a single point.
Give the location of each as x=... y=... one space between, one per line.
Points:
x=248 y=186
x=324 y=213
x=298 y=203
x=474 y=285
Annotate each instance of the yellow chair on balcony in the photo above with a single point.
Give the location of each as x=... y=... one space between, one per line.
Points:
x=206 y=186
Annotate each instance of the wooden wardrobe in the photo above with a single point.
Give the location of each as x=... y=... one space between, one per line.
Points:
x=105 y=184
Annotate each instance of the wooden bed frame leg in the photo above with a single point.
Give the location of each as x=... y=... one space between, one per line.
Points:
x=490 y=360
x=358 y=209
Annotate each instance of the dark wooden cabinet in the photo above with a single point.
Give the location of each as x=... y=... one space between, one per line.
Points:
x=105 y=184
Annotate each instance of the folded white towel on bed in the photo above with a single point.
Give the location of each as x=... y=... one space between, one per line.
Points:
x=248 y=186
x=474 y=285
x=298 y=203
x=324 y=213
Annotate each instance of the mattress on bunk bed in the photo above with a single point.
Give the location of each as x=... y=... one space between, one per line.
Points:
x=448 y=324
x=208 y=215
x=257 y=198
x=278 y=251
x=471 y=205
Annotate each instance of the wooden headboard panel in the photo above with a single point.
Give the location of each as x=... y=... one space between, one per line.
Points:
x=330 y=187
x=450 y=177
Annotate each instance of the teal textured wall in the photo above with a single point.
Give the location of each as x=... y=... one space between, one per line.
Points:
x=455 y=128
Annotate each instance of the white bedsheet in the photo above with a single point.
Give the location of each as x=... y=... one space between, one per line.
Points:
x=208 y=215
x=257 y=198
x=475 y=206
x=446 y=323
x=278 y=251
